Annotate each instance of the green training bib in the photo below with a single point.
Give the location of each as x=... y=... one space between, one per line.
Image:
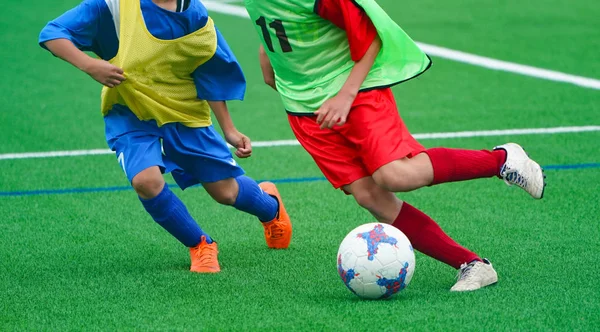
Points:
x=311 y=56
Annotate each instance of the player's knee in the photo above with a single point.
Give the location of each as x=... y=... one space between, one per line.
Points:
x=223 y=192
x=391 y=179
x=147 y=186
x=227 y=197
x=366 y=199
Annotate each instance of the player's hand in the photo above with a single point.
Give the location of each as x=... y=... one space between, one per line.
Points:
x=239 y=141
x=104 y=72
x=334 y=111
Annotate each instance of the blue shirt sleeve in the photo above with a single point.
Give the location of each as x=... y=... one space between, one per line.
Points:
x=221 y=77
x=89 y=26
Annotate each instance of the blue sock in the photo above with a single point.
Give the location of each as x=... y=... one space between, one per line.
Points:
x=253 y=200
x=169 y=212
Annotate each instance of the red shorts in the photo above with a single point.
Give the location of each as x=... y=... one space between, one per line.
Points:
x=373 y=135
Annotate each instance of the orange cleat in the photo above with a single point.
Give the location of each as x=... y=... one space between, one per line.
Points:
x=278 y=232
x=204 y=257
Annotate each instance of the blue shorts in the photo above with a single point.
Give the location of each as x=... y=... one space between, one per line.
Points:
x=192 y=155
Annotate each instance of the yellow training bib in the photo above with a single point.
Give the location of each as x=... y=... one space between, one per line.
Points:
x=159 y=83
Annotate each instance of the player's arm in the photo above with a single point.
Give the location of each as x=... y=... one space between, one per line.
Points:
x=360 y=71
x=74 y=32
x=238 y=140
x=100 y=70
x=364 y=47
x=266 y=68
x=335 y=110
x=220 y=79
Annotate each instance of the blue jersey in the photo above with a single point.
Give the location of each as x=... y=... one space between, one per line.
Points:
x=94 y=26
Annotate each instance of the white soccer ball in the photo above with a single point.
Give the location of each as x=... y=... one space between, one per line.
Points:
x=376 y=261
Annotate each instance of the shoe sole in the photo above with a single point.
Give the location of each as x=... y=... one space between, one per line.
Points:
x=543 y=174
x=205 y=271
x=472 y=290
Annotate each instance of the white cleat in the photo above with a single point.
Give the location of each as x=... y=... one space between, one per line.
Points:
x=521 y=170
x=475 y=275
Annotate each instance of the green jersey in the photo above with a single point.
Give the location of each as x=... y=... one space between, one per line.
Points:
x=311 y=56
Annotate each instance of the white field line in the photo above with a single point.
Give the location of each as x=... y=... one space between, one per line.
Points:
x=225 y=8
x=481 y=61
x=292 y=142
x=446 y=53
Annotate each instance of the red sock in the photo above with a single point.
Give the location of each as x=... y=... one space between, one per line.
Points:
x=427 y=237
x=451 y=165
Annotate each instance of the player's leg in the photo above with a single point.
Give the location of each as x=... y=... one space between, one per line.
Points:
x=422 y=170
x=424 y=233
x=138 y=150
x=244 y=194
x=382 y=204
x=385 y=142
x=428 y=237
x=205 y=157
x=261 y=200
x=170 y=213
x=340 y=162
x=508 y=161
x=442 y=165
x=437 y=165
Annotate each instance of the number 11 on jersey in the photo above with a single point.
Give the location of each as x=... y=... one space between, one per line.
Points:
x=277 y=25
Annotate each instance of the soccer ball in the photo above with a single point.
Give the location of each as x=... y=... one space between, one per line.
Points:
x=376 y=261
